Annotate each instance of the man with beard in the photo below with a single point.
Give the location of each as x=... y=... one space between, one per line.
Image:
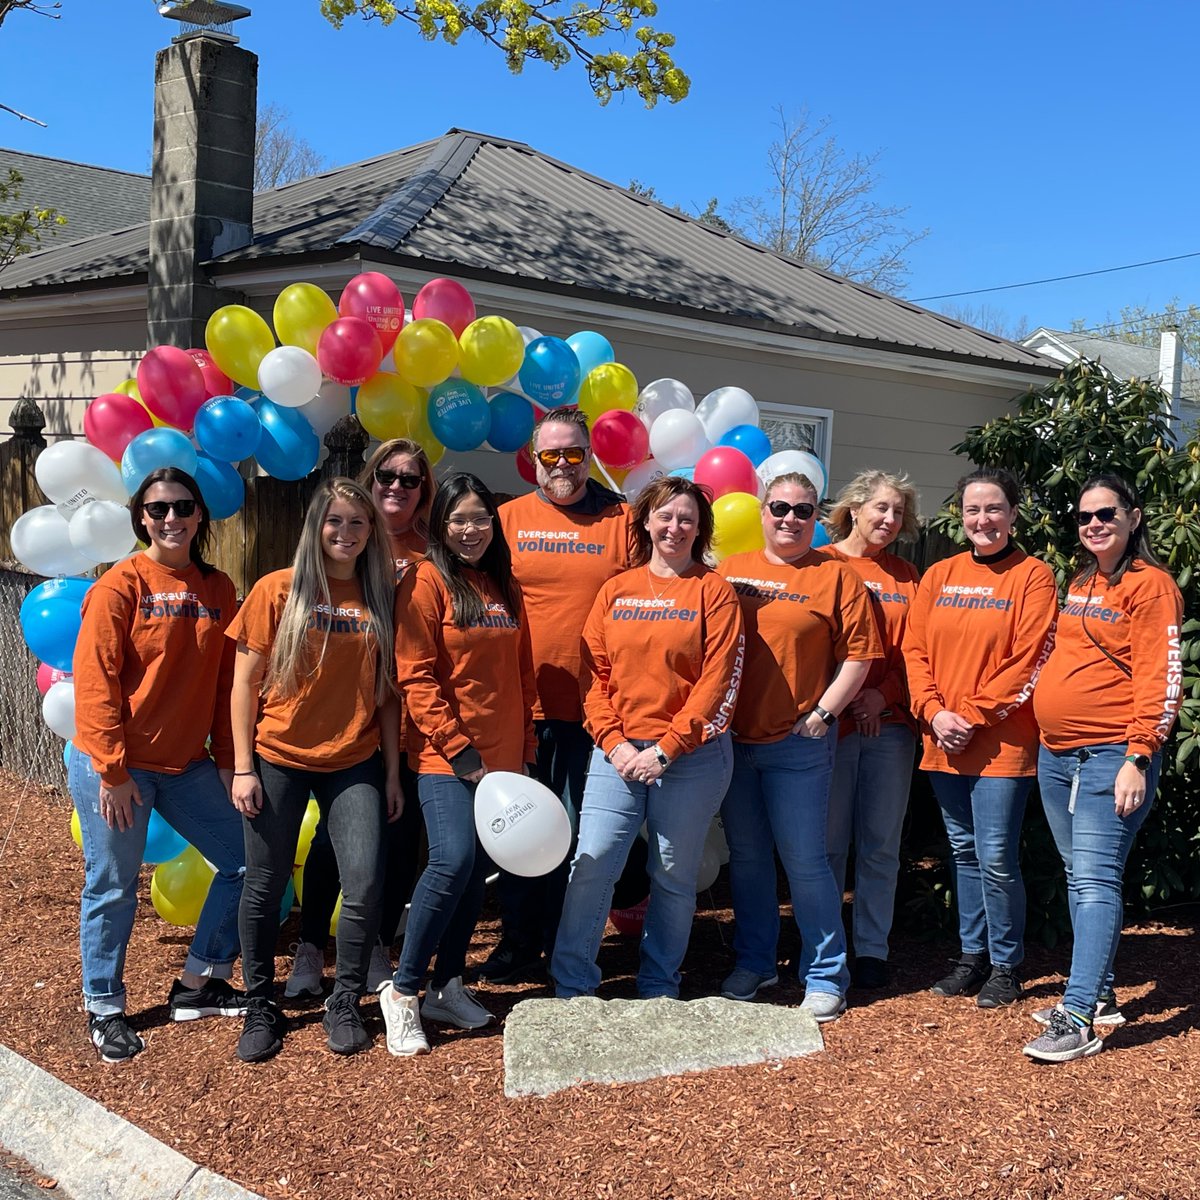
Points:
x=567 y=539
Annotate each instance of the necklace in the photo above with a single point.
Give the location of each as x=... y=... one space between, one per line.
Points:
x=657 y=594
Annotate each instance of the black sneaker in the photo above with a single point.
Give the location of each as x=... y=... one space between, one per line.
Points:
x=262 y=1034
x=510 y=961
x=215 y=999
x=114 y=1040
x=968 y=976
x=1003 y=987
x=870 y=973
x=344 y=1024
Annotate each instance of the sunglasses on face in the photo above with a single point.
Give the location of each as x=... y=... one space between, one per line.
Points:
x=157 y=510
x=385 y=479
x=1103 y=515
x=781 y=508
x=573 y=455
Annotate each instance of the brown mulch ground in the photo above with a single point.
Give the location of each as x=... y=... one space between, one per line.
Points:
x=914 y=1096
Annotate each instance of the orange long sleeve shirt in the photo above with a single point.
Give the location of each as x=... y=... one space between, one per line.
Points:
x=561 y=559
x=153 y=670
x=1082 y=697
x=978 y=634
x=802 y=620
x=464 y=688
x=662 y=660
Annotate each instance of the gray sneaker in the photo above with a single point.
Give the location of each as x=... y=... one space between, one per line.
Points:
x=307 y=968
x=744 y=984
x=823 y=1006
x=1107 y=1013
x=453 y=1004
x=1063 y=1040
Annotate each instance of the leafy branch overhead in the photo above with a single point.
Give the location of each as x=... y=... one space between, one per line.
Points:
x=22 y=230
x=548 y=31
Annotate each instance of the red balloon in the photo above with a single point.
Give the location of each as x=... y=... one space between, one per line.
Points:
x=48 y=676
x=112 y=421
x=349 y=351
x=723 y=470
x=629 y=921
x=374 y=298
x=171 y=386
x=525 y=467
x=216 y=382
x=619 y=439
x=445 y=301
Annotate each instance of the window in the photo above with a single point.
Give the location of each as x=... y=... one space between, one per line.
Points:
x=791 y=427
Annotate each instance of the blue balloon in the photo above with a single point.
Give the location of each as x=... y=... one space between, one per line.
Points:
x=685 y=472
x=249 y=394
x=162 y=842
x=289 y=447
x=459 y=415
x=67 y=750
x=750 y=440
x=221 y=486
x=591 y=349
x=550 y=374
x=820 y=536
x=289 y=898
x=512 y=421
x=228 y=429
x=156 y=448
x=51 y=617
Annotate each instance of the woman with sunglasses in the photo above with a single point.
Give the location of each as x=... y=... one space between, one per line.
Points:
x=662 y=661
x=463 y=660
x=402 y=486
x=810 y=639
x=152 y=673
x=313 y=706
x=1105 y=703
x=980 y=629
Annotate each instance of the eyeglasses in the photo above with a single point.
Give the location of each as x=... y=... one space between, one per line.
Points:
x=573 y=455
x=1103 y=515
x=157 y=510
x=781 y=508
x=385 y=479
x=462 y=524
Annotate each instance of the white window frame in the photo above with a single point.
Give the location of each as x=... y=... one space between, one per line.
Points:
x=820 y=419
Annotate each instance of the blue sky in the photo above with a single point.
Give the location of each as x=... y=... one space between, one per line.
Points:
x=1033 y=140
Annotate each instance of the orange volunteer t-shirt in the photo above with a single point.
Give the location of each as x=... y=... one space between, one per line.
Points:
x=662 y=660
x=331 y=722
x=978 y=634
x=1082 y=697
x=802 y=619
x=463 y=687
x=408 y=549
x=152 y=669
x=561 y=559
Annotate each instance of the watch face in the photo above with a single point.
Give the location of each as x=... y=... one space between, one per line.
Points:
x=1141 y=761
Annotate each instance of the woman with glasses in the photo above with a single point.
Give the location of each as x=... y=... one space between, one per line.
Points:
x=662 y=661
x=152 y=673
x=810 y=639
x=402 y=486
x=315 y=713
x=1105 y=703
x=980 y=629
x=463 y=660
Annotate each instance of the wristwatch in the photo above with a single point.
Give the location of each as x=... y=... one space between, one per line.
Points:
x=825 y=715
x=663 y=760
x=1141 y=761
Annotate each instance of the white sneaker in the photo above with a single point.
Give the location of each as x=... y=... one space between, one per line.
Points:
x=401 y=1017
x=307 y=967
x=453 y=1004
x=823 y=1006
x=380 y=968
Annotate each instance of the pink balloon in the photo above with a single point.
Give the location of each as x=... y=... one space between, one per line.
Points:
x=445 y=301
x=374 y=298
x=349 y=351
x=619 y=439
x=48 y=676
x=525 y=467
x=171 y=385
x=112 y=421
x=724 y=469
x=216 y=382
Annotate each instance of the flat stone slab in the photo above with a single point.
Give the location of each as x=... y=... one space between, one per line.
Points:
x=554 y=1044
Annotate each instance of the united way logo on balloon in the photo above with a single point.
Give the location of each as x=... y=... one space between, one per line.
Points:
x=521 y=823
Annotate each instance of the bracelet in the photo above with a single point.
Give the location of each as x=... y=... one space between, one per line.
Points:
x=236 y=773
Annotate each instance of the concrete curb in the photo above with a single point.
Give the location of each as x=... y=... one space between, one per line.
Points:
x=93 y=1153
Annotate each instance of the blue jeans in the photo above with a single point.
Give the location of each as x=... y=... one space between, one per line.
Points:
x=194 y=803
x=867 y=800
x=779 y=800
x=448 y=896
x=1094 y=843
x=678 y=815
x=983 y=818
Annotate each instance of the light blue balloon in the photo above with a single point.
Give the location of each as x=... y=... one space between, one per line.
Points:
x=820 y=536
x=459 y=415
x=153 y=449
x=51 y=618
x=289 y=447
x=750 y=440
x=289 y=898
x=249 y=394
x=512 y=421
x=222 y=487
x=685 y=472
x=591 y=349
x=162 y=842
x=67 y=750
x=228 y=429
x=550 y=373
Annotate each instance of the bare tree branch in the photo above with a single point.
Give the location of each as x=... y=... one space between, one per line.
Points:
x=40 y=7
x=281 y=155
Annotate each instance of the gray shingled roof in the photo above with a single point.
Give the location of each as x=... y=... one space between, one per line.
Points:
x=1124 y=359
x=489 y=208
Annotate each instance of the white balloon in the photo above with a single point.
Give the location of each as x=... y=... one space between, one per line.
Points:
x=716 y=839
x=74 y=473
x=521 y=823
x=102 y=531
x=639 y=477
x=677 y=439
x=58 y=708
x=289 y=375
x=661 y=396
x=41 y=542
x=324 y=410
x=710 y=867
x=724 y=408
x=801 y=462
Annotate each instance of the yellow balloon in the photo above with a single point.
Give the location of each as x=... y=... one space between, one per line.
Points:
x=616 y=475
x=337 y=912
x=608 y=386
x=298 y=884
x=129 y=388
x=492 y=351
x=425 y=352
x=308 y=827
x=179 y=888
x=389 y=407
x=738 y=524
x=76 y=832
x=301 y=313
x=238 y=339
